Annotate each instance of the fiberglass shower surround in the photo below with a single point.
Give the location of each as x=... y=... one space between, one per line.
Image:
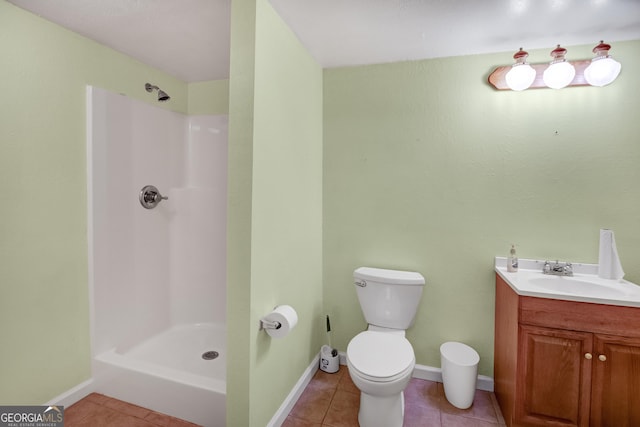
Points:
x=158 y=276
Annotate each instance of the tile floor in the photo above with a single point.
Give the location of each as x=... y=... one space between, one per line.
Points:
x=97 y=410
x=332 y=400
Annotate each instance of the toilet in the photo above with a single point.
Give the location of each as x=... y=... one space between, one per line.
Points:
x=380 y=360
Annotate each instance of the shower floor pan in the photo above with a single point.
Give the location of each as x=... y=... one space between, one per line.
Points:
x=168 y=373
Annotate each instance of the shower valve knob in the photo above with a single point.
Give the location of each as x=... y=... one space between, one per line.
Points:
x=153 y=197
x=150 y=197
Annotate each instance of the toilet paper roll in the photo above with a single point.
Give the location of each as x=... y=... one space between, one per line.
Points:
x=286 y=316
x=609 y=266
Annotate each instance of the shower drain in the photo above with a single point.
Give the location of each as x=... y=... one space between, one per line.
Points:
x=210 y=355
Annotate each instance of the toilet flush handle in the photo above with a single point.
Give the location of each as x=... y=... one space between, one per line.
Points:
x=361 y=282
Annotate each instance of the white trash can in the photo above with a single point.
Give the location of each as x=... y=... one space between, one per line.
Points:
x=459 y=364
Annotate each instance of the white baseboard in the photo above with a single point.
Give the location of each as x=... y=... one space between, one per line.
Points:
x=73 y=395
x=430 y=373
x=281 y=414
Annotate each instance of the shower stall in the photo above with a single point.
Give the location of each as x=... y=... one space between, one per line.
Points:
x=157 y=256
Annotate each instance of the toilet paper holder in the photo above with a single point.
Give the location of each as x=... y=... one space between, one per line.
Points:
x=268 y=324
x=279 y=322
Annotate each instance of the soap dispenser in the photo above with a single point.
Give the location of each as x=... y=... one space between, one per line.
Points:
x=512 y=260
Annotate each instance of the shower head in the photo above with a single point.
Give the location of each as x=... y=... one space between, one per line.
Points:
x=162 y=95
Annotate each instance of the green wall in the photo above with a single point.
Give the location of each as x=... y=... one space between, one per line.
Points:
x=275 y=210
x=210 y=97
x=239 y=197
x=44 y=306
x=428 y=168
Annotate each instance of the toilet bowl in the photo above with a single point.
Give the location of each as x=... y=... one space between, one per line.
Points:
x=380 y=365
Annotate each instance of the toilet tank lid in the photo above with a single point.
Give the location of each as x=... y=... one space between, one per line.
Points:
x=395 y=277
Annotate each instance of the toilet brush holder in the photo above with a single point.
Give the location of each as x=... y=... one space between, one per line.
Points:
x=329 y=359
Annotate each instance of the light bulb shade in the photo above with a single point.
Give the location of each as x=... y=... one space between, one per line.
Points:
x=520 y=76
x=602 y=71
x=559 y=75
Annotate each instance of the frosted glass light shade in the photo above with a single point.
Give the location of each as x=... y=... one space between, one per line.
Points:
x=558 y=75
x=602 y=71
x=520 y=76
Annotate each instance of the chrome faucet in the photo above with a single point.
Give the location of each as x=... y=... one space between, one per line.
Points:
x=558 y=269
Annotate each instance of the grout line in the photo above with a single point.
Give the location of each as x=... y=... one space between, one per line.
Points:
x=333 y=396
x=326 y=412
x=496 y=408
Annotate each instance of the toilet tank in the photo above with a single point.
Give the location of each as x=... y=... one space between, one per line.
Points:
x=388 y=298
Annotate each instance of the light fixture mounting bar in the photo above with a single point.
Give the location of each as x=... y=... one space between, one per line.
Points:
x=497 y=77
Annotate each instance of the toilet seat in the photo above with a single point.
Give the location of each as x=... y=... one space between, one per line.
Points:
x=380 y=356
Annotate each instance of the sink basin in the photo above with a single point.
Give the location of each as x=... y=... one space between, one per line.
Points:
x=577 y=286
x=584 y=286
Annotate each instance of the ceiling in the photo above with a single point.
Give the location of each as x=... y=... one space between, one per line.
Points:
x=189 y=39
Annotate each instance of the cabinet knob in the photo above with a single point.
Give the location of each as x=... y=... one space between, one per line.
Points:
x=602 y=358
x=588 y=356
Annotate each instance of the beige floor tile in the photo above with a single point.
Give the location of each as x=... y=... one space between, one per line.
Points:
x=107 y=417
x=313 y=403
x=79 y=411
x=346 y=383
x=421 y=416
x=322 y=379
x=127 y=408
x=343 y=411
x=423 y=393
x=163 y=420
x=295 y=422
x=175 y=422
x=158 y=419
x=450 y=420
x=97 y=410
x=97 y=398
x=481 y=409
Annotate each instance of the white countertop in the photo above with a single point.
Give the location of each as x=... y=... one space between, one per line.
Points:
x=583 y=286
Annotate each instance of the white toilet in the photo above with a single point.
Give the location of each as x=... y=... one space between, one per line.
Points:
x=381 y=360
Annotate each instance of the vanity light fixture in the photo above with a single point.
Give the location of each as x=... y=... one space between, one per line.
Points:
x=603 y=68
x=521 y=75
x=559 y=73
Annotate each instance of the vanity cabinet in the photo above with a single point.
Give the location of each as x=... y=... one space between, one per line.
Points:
x=616 y=399
x=566 y=363
x=553 y=377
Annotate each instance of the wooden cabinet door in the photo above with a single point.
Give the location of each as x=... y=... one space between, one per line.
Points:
x=616 y=382
x=554 y=377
